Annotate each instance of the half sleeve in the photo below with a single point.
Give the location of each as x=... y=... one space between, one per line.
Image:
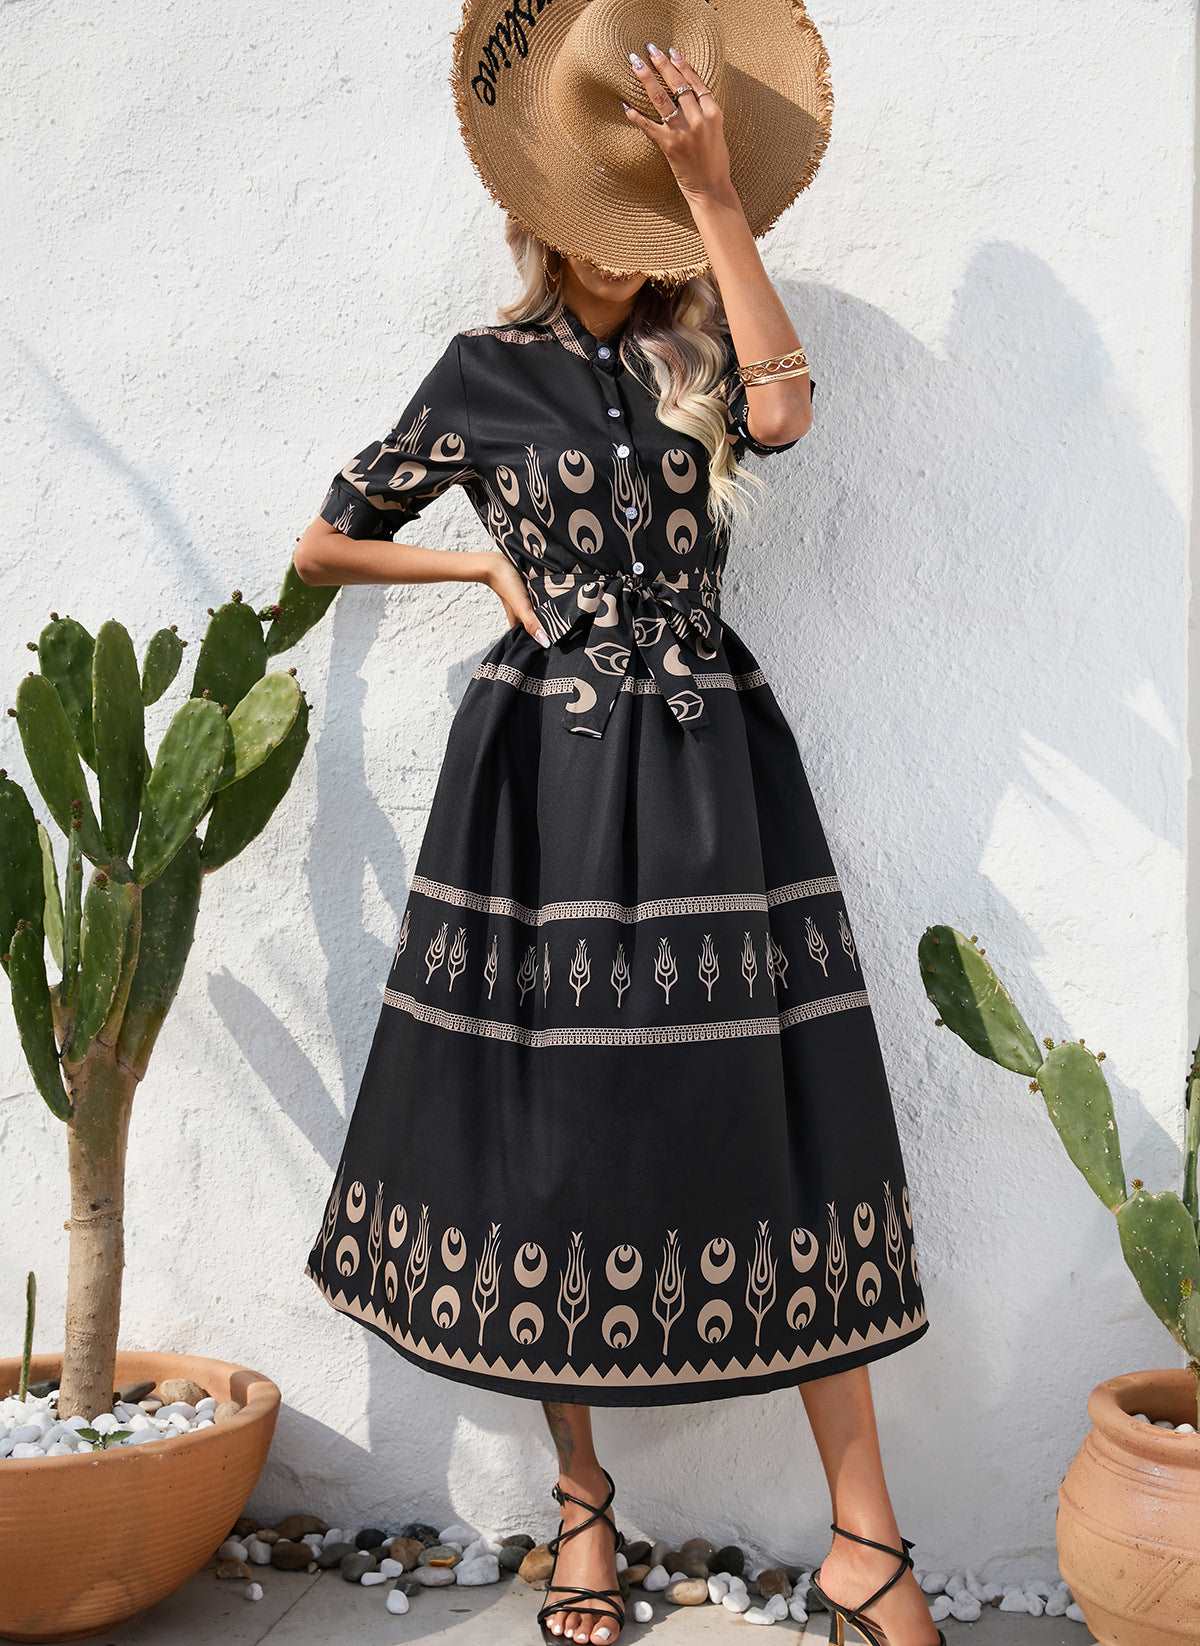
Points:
x=737 y=411
x=425 y=453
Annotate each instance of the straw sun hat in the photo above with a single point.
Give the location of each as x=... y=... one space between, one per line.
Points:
x=538 y=86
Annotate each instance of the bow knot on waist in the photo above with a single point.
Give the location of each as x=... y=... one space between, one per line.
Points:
x=617 y=614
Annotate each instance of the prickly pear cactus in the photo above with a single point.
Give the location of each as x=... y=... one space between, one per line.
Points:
x=1158 y=1232
x=153 y=827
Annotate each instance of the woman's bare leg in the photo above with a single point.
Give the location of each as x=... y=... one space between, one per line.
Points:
x=842 y=1415
x=587 y=1561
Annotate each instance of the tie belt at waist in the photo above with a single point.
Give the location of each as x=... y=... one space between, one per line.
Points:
x=619 y=613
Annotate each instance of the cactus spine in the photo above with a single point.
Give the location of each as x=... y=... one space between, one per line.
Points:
x=223 y=765
x=1159 y=1235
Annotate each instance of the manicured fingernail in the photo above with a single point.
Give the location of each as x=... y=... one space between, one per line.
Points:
x=626 y=107
x=542 y=638
x=675 y=54
x=636 y=60
x=653 y=49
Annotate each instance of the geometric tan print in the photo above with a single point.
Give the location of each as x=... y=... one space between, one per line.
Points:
x=486 y=1290
x=491 y=965
x=623 y=1268
x=375 y=1236
x=749 y=962
x=581 y=969
x=619 y=977
x=587 y=537
x=679 y=470
x=895 y=1241
x=668 y=1287
x=805 y=1250
x=397 y=1230
x=682 y=531
x=402 y=939
x=717 y=1260
x=456 y=961
x=539 y=490
x=332 y=1208
x=506 y=334
x=527 y=976
x=521 y=1296
x=650 y=1034
x=709 y=968
x=573 y=1280
x=835 y=1260
x=666 y=972
x=817 y=946
x=416 y=1270
x=527 y=1330
x=777 y=965
x=436 y=952
x=630 y=495
x=760 y=1279
x=356 y=1203
x=626 y=913
x=576 y=472
x=847 y=938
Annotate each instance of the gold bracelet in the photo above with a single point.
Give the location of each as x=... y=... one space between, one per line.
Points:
x=792 y=364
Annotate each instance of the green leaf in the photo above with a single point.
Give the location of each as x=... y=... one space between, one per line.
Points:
x=52 y=901
x=49 y=745
x=1080 y=1104
x=107 y=910
x=119 y=728
x=22 y=895
x=65 y=657
x=189 y=762
x=1158 y=1239
x=259 y=725
x=300 y=608
x=34 y=1017
x=233 y=655
x=241 y=811
x=72 y=918
x=169 y=908
x=972 y=1001
x=164 y=654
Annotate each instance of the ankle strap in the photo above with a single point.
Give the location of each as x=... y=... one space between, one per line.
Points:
x=902 y=1555
x=596 y=1511
x=887 y=1549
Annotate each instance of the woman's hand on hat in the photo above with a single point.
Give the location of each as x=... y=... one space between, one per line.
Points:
x=691 y=133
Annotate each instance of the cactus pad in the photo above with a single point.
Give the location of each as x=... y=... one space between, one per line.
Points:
x=35 y=1023
x=52 y=918
x=120 y=736
x=243 y=810
x=300 y=607
x=232 y=656
x=1079 y=1103
x=260 y=723
x=72 y=917
x=180 y=787
x=1158 y=1239
x=65 y=658
x=169 y=908
x=160 y=665
x=972 y=1001
x=21 y=889
x=50 y=749
x=107 y=910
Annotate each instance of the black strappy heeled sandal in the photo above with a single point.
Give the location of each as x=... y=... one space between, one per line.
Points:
x=840 y=1615
x=610 y=1599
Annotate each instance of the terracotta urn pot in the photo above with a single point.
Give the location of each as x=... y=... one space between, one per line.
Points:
x=1128 y=1524
x=132 y=1523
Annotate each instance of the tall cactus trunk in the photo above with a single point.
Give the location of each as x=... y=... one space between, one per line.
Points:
x=96 y=1142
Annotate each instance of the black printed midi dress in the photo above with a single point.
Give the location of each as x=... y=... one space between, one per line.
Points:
x=624 y=1135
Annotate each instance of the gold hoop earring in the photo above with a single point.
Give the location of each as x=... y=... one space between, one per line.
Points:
x=552 y=280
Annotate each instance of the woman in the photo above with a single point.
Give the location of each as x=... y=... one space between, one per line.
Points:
x=624 y=1136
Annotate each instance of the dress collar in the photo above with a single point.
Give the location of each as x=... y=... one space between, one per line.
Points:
x=578 y=340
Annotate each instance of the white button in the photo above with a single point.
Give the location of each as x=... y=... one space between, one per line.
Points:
x=638 y=567
x=622 y=451
x=630 y=510
x=614 y=411
x=604 y=351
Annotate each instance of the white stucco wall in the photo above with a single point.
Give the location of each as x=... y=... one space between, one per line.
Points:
x=235 y=238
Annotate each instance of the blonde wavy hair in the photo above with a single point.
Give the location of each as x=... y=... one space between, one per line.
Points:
x=682 y=334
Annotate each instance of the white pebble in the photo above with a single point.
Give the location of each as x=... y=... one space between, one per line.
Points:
x=390 y=1567
x=1035 y=1604
x=656 y=1578
x=939 y=1608
x=232 y=1549
x=643 y=1612
x=27 y=1448
x=1140 y=1417
x=106 y=1424
x=24 y=1433
x=965 y=1608
x=314 y=1541
x=1039 y=1587
x=483 y=1569
x=1185 y=1428
x=207 y=1406
x=777 y=1606
x=756 y=1614
x=1057 y=1605
x=735 y=1601
x=622 y=1563
x=77 y=1422
x=253 y=1591
x=60 y=1448
x=718 y=1588
x=1013 y=1600
x=1075 y=1612
x=956 y=1586
x=334 y=1535
x=678 y=1577
x=177 y=1408
x=139 y=1437
x=397 y=1602
x=1163 y=1423
x=458 y=1534
x=370 y=1579
x=934 y=1583
x=796 y=1609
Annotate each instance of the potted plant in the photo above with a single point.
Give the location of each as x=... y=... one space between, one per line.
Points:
x=1128 y=1522
x=153 y=1512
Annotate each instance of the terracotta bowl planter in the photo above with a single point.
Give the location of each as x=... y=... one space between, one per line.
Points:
x=1128 y=1523
x=140 y=1520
